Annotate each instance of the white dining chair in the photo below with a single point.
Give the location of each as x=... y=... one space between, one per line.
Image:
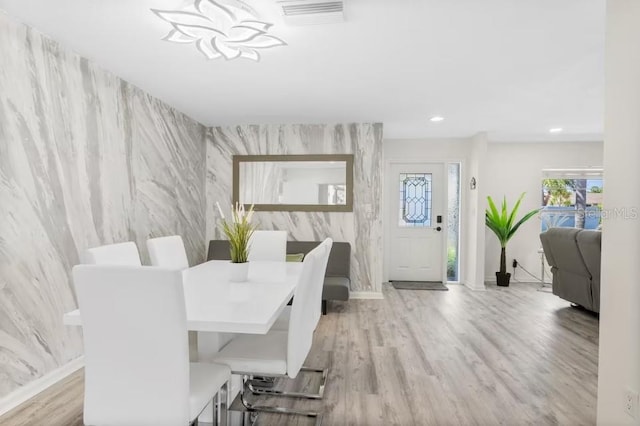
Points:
x=268 y=245
x=168 y=252
x=282 y=323
x=113 y=254
x=136 y=350
x=265 y=387
x=277 y=353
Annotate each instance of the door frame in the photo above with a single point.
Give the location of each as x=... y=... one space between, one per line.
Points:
x=386 y=237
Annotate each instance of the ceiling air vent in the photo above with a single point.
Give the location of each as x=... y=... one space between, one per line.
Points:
x=310 y=12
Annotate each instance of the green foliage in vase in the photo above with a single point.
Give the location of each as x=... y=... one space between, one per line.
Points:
x=504 y=224
x=238 y=230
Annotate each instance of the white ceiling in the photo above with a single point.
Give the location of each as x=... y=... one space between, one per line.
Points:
x=510 y=68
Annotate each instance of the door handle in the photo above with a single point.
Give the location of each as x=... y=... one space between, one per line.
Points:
x=438 y=229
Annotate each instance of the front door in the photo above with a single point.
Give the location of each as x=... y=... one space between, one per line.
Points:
x=416 y=215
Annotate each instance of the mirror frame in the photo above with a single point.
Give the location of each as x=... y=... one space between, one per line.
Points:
x=347 y=158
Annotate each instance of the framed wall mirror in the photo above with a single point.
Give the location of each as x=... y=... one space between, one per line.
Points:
x=322 y=183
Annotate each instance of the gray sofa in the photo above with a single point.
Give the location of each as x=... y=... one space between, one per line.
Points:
x=337 y=279
x=574 y=257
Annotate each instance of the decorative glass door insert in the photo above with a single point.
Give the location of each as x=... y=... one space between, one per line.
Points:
x=415 y=200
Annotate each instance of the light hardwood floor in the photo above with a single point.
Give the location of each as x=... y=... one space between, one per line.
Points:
x=505 y=356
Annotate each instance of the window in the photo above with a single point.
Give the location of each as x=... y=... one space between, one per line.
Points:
x=571 y=198
x=415 y=200
x=453 y=222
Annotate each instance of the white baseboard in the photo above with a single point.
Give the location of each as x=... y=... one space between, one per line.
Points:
x=31 y=389
x=366 y=295
x=475 y=288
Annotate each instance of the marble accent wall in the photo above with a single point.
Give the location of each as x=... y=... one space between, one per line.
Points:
x=362 y=228
x=85 y=159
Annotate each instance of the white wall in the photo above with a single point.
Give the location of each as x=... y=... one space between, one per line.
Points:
x=513 y=168
x=429 y=150
x=619 y=359
x=473 y=275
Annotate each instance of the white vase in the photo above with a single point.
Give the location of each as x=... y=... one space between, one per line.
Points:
x=238 y=272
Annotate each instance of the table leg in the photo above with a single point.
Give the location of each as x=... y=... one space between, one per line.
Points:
x=206 y=345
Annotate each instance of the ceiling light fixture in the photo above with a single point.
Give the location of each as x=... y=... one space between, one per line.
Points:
x=556 y=130
x=220 y=29
x=436 y=119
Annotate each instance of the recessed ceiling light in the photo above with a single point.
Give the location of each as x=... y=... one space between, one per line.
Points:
x=555 y=130
x=436 y=119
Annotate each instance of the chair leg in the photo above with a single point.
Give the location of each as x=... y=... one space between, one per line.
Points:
x=217 y=409
x=249 y=418
x=256 y=390
x=221 y=405
x=263 y=382
x=276 y=410
x=226 y=393
x=324 y=307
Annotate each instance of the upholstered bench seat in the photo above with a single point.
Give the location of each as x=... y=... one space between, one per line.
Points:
x=336 y=288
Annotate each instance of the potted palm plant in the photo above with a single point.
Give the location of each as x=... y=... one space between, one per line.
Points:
x=504 y=225
x=238 y=230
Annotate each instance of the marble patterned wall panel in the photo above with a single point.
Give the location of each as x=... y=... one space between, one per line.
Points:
x=169 y=174
x=85 y=159
x=362 y=228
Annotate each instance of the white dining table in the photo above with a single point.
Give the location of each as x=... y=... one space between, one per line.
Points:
x=216 y=304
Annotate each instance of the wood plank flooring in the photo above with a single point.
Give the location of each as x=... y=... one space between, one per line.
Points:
x=505 y=356
x=59 y=405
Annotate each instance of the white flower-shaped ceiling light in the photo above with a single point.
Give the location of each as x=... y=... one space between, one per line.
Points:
x=220 y=29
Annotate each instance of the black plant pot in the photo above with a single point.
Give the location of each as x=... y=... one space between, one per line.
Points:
x=503 y=279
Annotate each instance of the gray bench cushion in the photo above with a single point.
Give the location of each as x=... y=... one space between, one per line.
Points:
x=219 y=250
x=336 y=288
